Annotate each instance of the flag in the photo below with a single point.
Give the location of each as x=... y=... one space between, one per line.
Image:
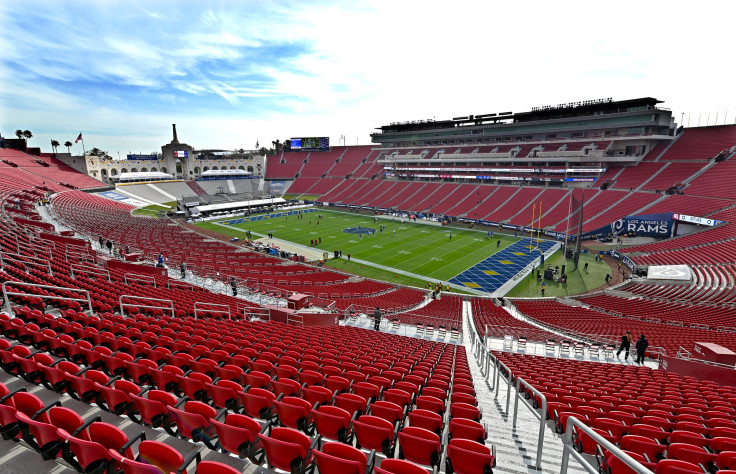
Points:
x=78 y=138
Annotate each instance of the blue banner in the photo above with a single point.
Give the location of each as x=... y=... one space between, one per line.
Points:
x=647 y=225
x=143 y=157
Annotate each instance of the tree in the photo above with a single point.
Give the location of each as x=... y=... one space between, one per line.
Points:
x=19 y=133
x=55 y=145
x=287 y=145
x=277 y=145
x=68 y=146
x=27 y=134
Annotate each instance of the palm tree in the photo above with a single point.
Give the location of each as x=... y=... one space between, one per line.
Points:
x=55 y=145
x=68 y=146
x=27 y=134
x=19 y=133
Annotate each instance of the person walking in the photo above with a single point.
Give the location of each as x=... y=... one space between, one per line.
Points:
x=109 y=246
x=183 y=268
x=625 y=345
x=234 y=286
x=377 y=318
x=160 y=260
x=348 y=257
x=585 y=267
x=641 y=349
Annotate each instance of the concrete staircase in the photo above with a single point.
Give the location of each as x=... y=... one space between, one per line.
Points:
x=516 y=448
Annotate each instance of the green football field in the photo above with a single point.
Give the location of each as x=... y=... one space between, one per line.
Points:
x=421 y=249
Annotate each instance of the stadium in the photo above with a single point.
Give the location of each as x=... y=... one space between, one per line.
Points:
x=450 y=298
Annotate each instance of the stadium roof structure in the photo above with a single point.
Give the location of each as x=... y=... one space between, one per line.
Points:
x=144 y=175
x=225 y=206
x=225 y=173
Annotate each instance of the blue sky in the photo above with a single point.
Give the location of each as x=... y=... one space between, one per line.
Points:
x=231 y=73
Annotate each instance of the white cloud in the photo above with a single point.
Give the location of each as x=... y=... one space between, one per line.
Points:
x=232 y=72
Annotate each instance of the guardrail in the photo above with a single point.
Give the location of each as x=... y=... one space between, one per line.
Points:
x=7 y=293
x=88 y=270
x=201 y=307
x=569 y=450
x=541 y=415
x=169 y=307
x=20 y=259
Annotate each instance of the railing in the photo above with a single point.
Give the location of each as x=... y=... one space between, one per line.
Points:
x=541 y=415
x=169 y=307
x=138 y=278
x=7 y=293
x=78 y=268
x=569 y=450
x=201 y=307
x=21 y=259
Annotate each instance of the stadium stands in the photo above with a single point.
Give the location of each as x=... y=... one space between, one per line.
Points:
x=701 y=143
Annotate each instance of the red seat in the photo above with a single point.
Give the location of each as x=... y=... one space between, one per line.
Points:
x=287 y=449
x=316 y=394
x=225 y=394
x=366 y=390
x=155 y=457
x=333 y=423
x=427 y=402
x=354 y=404
x=390 y=412
x=153 y=410
x=193 y=422
x=294 y=413
x=399 y=397
x=398 y=466
x=462 y=428
x=338 y=458
x=214 y=467
x=463 y=410
x=676 y=466
x=726 y=460
x=419 y=445
x=651 y=450
x=239 y=435
x=690 y=453
x=372 y=432
x=617 y=466
x=426 y=419
x=258 y=403
x=465 y=456
x=256 y=379
x=286 y=387
x=116 y=398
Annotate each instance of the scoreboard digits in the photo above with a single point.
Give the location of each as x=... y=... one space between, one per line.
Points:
x=310 y=143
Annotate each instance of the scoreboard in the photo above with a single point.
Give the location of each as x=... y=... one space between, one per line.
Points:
x=310 y=143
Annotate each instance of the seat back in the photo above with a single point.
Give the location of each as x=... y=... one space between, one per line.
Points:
x=420 y=445
x=469 y=456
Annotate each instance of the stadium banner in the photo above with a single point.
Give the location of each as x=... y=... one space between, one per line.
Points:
x=557 y=235
x=648 y=225
x=143 y=157
x=696 y=220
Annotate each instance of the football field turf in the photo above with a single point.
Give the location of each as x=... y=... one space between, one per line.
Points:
x=417 y=248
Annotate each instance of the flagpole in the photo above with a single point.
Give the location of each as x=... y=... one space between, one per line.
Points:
x=83 y=150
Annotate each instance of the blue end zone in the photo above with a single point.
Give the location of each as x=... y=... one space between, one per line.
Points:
x=261 y=217
x=500 y=267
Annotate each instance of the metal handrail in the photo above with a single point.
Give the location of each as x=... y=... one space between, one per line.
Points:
x=508 y=383
x=18 y=258
x=541 y=415
x=88 y=300
x=568 y=450
x=137 y=277
x=145 y=298
x=204 y=307
x=88 y=270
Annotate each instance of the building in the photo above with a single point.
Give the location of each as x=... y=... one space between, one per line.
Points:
x=179 y=160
